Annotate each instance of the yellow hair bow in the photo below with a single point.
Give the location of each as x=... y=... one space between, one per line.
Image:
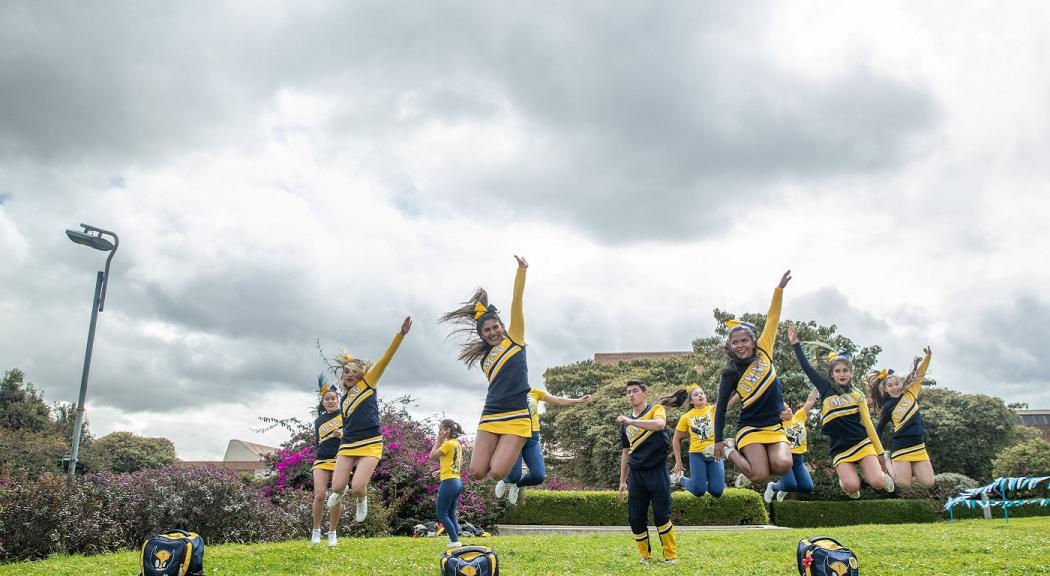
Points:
x=479 y=310
x=831 y=356
x=689 y=388
x=345 y=358
x=883 y=374
x=733 y=323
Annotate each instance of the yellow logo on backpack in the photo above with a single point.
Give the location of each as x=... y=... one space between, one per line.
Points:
x=160 y=559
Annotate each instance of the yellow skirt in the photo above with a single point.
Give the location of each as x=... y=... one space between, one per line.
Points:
x=516 y=422
x=324 y=464
x=760 y=435
x=915 y=453
x=858 y=452
x=368 y=447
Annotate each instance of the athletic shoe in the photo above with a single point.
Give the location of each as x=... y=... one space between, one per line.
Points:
x=333 y=499
x=780 y=495
x=889 y=485
x=768 y=494
x=671 y=561
x=501 y=489
x=742 y=481
x=512 y=493
x=676 y=478
x=362 y=509
x=332 y=539
x=853 y=495
x=315 y=536
x=455 y=544
x=643 y=561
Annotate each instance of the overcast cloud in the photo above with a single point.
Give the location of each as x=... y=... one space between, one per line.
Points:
x=283 y=172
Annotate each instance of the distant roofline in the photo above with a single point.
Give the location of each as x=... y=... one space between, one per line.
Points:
x=1043 y=411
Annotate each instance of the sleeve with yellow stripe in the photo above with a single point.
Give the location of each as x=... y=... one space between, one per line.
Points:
x=920 y=375
x=769 y=332
x=376 y=371
x=516 y=331
x=865 y=418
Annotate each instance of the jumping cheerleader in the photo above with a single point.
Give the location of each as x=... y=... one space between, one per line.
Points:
x=797 y=479
x=505 y=421
x=328 y=429
x=845 y=420
x=532 y=454
x=760 y=446
x=362 y=444
x=897 y=401
x=705 y=473
x=449 y=454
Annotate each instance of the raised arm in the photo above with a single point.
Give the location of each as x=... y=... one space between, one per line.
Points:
x=865 y=418
x=769 y=332
x=516 y=331
x=376 y=371
x=563 y=401
x=725 y=390
x=920 y=373
x=810 y=402
x=819 y=382
x=439 y=446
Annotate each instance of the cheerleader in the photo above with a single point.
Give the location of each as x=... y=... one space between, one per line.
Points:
x=845 y=420
x=760 y=446
x=798 y=478
x=705 y=473
x=505 y=420
x=898 y=401
x=448 y=453
x=328 y=429
x=531 y=453
x=362 y=444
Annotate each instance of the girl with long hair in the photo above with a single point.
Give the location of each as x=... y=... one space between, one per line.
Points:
x=505 y=420
x=448 y=453
x=898 y=402
x=698 y=425
x=797 y=479
x=760 y=446
x=328 y=429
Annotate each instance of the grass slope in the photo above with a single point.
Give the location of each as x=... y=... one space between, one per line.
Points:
x=969 y=547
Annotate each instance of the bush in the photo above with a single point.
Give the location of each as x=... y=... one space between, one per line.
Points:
x=1031 y=458
x=567 y=508
x=812 y=514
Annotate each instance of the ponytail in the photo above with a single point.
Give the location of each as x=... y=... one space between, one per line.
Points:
x=676 y=399
x=454 y=429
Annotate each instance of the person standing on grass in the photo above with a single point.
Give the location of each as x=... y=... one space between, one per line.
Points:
x=643 y=472
x=328 y=429
x=505 y=420
x=845 y=420
x=898 y=402
x=531 y=453
x=448 y=453
x=698 y=425
x=797 y=479
x=760 y=446
x=362 y=443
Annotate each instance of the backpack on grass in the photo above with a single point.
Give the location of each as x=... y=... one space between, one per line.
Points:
x=175 y=553
x=823 y=556
x=470 y=561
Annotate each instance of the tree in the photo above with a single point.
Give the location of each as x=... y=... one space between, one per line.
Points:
x=126 y=452
x=966 y=431
x=1031 y=458
x=21 y=406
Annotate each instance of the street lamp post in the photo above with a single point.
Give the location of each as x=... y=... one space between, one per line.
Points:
x=92 y=238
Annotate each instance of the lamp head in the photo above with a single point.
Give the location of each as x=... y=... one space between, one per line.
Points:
x=89 y=240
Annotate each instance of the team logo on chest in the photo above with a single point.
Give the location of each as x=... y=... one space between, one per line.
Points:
x=701 y=427
x=795 y=433
x=493 y=356
x=754 y=375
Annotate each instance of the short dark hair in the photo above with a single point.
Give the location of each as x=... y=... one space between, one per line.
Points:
x=639 y=383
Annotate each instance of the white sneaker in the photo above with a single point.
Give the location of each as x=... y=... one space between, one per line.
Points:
x=333 y=499
x=644 y=561
x=889 y=485
x=676 y=478
x=780 y=495
x=768 y=494
x=331 y=539
x=671 y=561
x=455 y=544
x=362 y=509
x=853 y=495
x=501 y=489
x=315 y=536
x=512 y=493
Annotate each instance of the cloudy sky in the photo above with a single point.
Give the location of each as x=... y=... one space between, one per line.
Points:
x=280 y=172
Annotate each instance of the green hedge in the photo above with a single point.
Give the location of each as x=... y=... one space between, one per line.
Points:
x=801 y=514
x=578 y=508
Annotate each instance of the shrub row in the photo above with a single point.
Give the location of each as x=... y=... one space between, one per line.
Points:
x=812 y=514
x=105 y=512
x=568 y=508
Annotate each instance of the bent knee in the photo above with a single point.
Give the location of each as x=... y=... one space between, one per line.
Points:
x=849 y=485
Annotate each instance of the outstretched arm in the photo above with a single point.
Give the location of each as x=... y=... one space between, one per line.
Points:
x=769 y=332
x=920 y=372
x=563 y=401
x=516 y=331
x=376 y=371
x=810 y=402
x=819 y=382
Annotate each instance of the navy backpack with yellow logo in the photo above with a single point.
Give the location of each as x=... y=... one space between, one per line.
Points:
x=823 y=556
x=470 y=561
x=175 y=553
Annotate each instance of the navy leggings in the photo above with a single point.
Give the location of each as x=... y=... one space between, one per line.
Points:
x=447 y=502
x=533 y=457
x=705 y=475
x=797 y=479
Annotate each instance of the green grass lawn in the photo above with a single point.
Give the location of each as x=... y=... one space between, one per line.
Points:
x=964 y=548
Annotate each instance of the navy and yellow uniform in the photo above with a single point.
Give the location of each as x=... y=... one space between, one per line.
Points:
x=451 y=459
x=757 y=384
x=325 y=428
x=700 y=424
x=844 y=417
x=506 y=408
x=648 y=481
x=534 y=398
x=909 y=431
x=360 y=408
